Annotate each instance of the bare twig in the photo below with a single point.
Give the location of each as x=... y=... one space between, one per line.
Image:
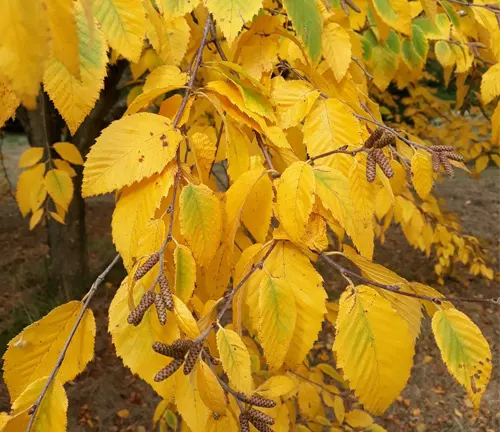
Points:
x=356 y=60
x=219 y=136
x=88 y=298
x=342 y=149
x=216 y=40
x=265 y=152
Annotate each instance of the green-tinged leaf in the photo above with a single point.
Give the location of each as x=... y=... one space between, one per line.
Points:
x=185 y=273
x=59 y=186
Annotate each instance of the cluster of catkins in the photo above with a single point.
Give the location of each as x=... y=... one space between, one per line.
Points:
x=162 y=300
x=440 y=156
x=375 y=142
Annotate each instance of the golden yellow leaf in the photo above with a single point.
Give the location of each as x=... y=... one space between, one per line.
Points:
x=23 y=46
x=75 y=97
x=395 y=13
x=64 y=35
x=276 y=387
x=185 y=319
x=10 y=101
x=237 y=150
x=134 y=343
x=422 y=175
x=282 y=420
x=464 y=350
x=309 y=400
x=33 y=353
x=358 y=418
x=481 y=163
x=188 y=401
x=222 y=424
x=490 y=84
x=211 y=392
x=235 y=360
x=336 y=49
x=63 y=165
x=185 y=272
x=26 y=194
x=277 y=315
x=339 y=409
x=59 y=187
x=30 y=157
x=203 y=149
x=35 y=218
x=147 y=143
x=124 y=24
x=374 y=347
x=57 y=217
x=362 y=192
x=176 y=8
x=69 y=152
x=201 y=221
x=295 y=198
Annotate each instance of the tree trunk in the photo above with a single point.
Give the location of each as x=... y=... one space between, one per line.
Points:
x=68 y=266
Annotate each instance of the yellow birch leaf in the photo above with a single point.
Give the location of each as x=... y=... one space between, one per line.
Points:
x=339 y=409
x=422 y=174
x=295 y=198
x=277 y=315
x=444 y=53
x=75 y=97
x=134 y=343
x=185 y=319
x=38 y=195
x=235 y=360
x=362 y=192
x=464 y=350
x=30 y=157
x=481 y=163
x=222 y=424
x=63 y=165
x=201 y=221
x=203 y=149
x=64 y=35
x=231 y=15
x=10 y=102
x=135 y=209
x=59 y=187
x=258 y=209
x=282 y=420
x=358 y=418
x=237 y=151
x=185 y=273
x=25 y=189
x=309 y=400
x=69 y=152
x=330 y=125
x=490 y=84
x=336 y=49
x=124 y=24
x=23 y=46
x=176 y=8
x=428 y=291
x=35 y=218
x=57 y=218
x=276 y=387
x=395 y=13
x=33 y=353
x=211 y=392
x=374 y=347
x=128 y=150
x=188 y=401
x=430 y=8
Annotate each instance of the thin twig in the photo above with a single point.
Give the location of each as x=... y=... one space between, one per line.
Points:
x=313 y=382
x=216 y=40
x=265 y=152
x=356 y=60
x=219 y=136
x=342 y=149
x=88 y=298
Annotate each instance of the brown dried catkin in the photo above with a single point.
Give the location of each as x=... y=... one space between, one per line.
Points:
x=136 y=315
x=168 y=370
x=166 y=293
x=373 y=138
x=192 y=357
x=147 y=266
x=371 y=167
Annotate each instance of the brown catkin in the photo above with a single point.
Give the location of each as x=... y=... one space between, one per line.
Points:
x=344 y=7
x=244 y=425
x=211 y=358
x=446 y=165
x=454 y=156
x=256 y=400
x=371 y=167
x=353 y=6
x=373 y=138
x=168 y=370
x=166 y=293
x=256 y=415
x=261 y=426
x=441 y=148
x=383 y=163
x=386 y=139
x=135 y=317
x=161 y=310
x=148 y=265
x=435 y=162
x=165 y=349
x=192 y=357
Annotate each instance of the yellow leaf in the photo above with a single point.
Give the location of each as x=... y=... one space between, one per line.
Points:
x=231 y=15
x=276 y=387
x=188 y=401
x=430 y=8
x=237 y=151
x=185 y=319
x=23 y=46
x=339 y=409
x=75 y=97
x=277 y=315
x=60 y=187
x=362 y=192
x=10 y=102
x=134 y=343
x=395 y=13
x=358 y=419
x=64 y=35
x=35 y=218
x=201 y=221
x=124 y=24
x=185 y=273
x=38 y=195
x=147 y=143
x=25 y=189
x=422 y=174
x=464 y=350
x=176 y=8
x=282 y=420
x=211 y=392
x=222 y=424
x=203 y=149
x=309 y=400
x=33 y=353
x=235 y=360
x=444 y=53
x=30 y=157
x=135 y=209
x=490 y=84
x=69 y=152
x=123 y=413
x=57 y=218
x=295 y=198
x=63 y=165
x=330 y=125
x=373 y=346
x=481 y=163
x=336 y=49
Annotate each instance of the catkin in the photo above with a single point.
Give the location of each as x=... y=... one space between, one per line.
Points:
x=192 y=357
x=182 y=346
x=454 y=156
x=446 y=165
x=371 y=167
x=161 y=310
x=256 y=400
x=168 y=370
x=435 y=162
x=211 y=358
x=168 y=300
x=259 y=416
x=353 y=6
x=441 y=148
x=383 y=163
x=261 y=426
x=373 y=138
x=386 y=139
x=148 y=265
x=244 y=425
x=165 y=349
x=135 y=317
